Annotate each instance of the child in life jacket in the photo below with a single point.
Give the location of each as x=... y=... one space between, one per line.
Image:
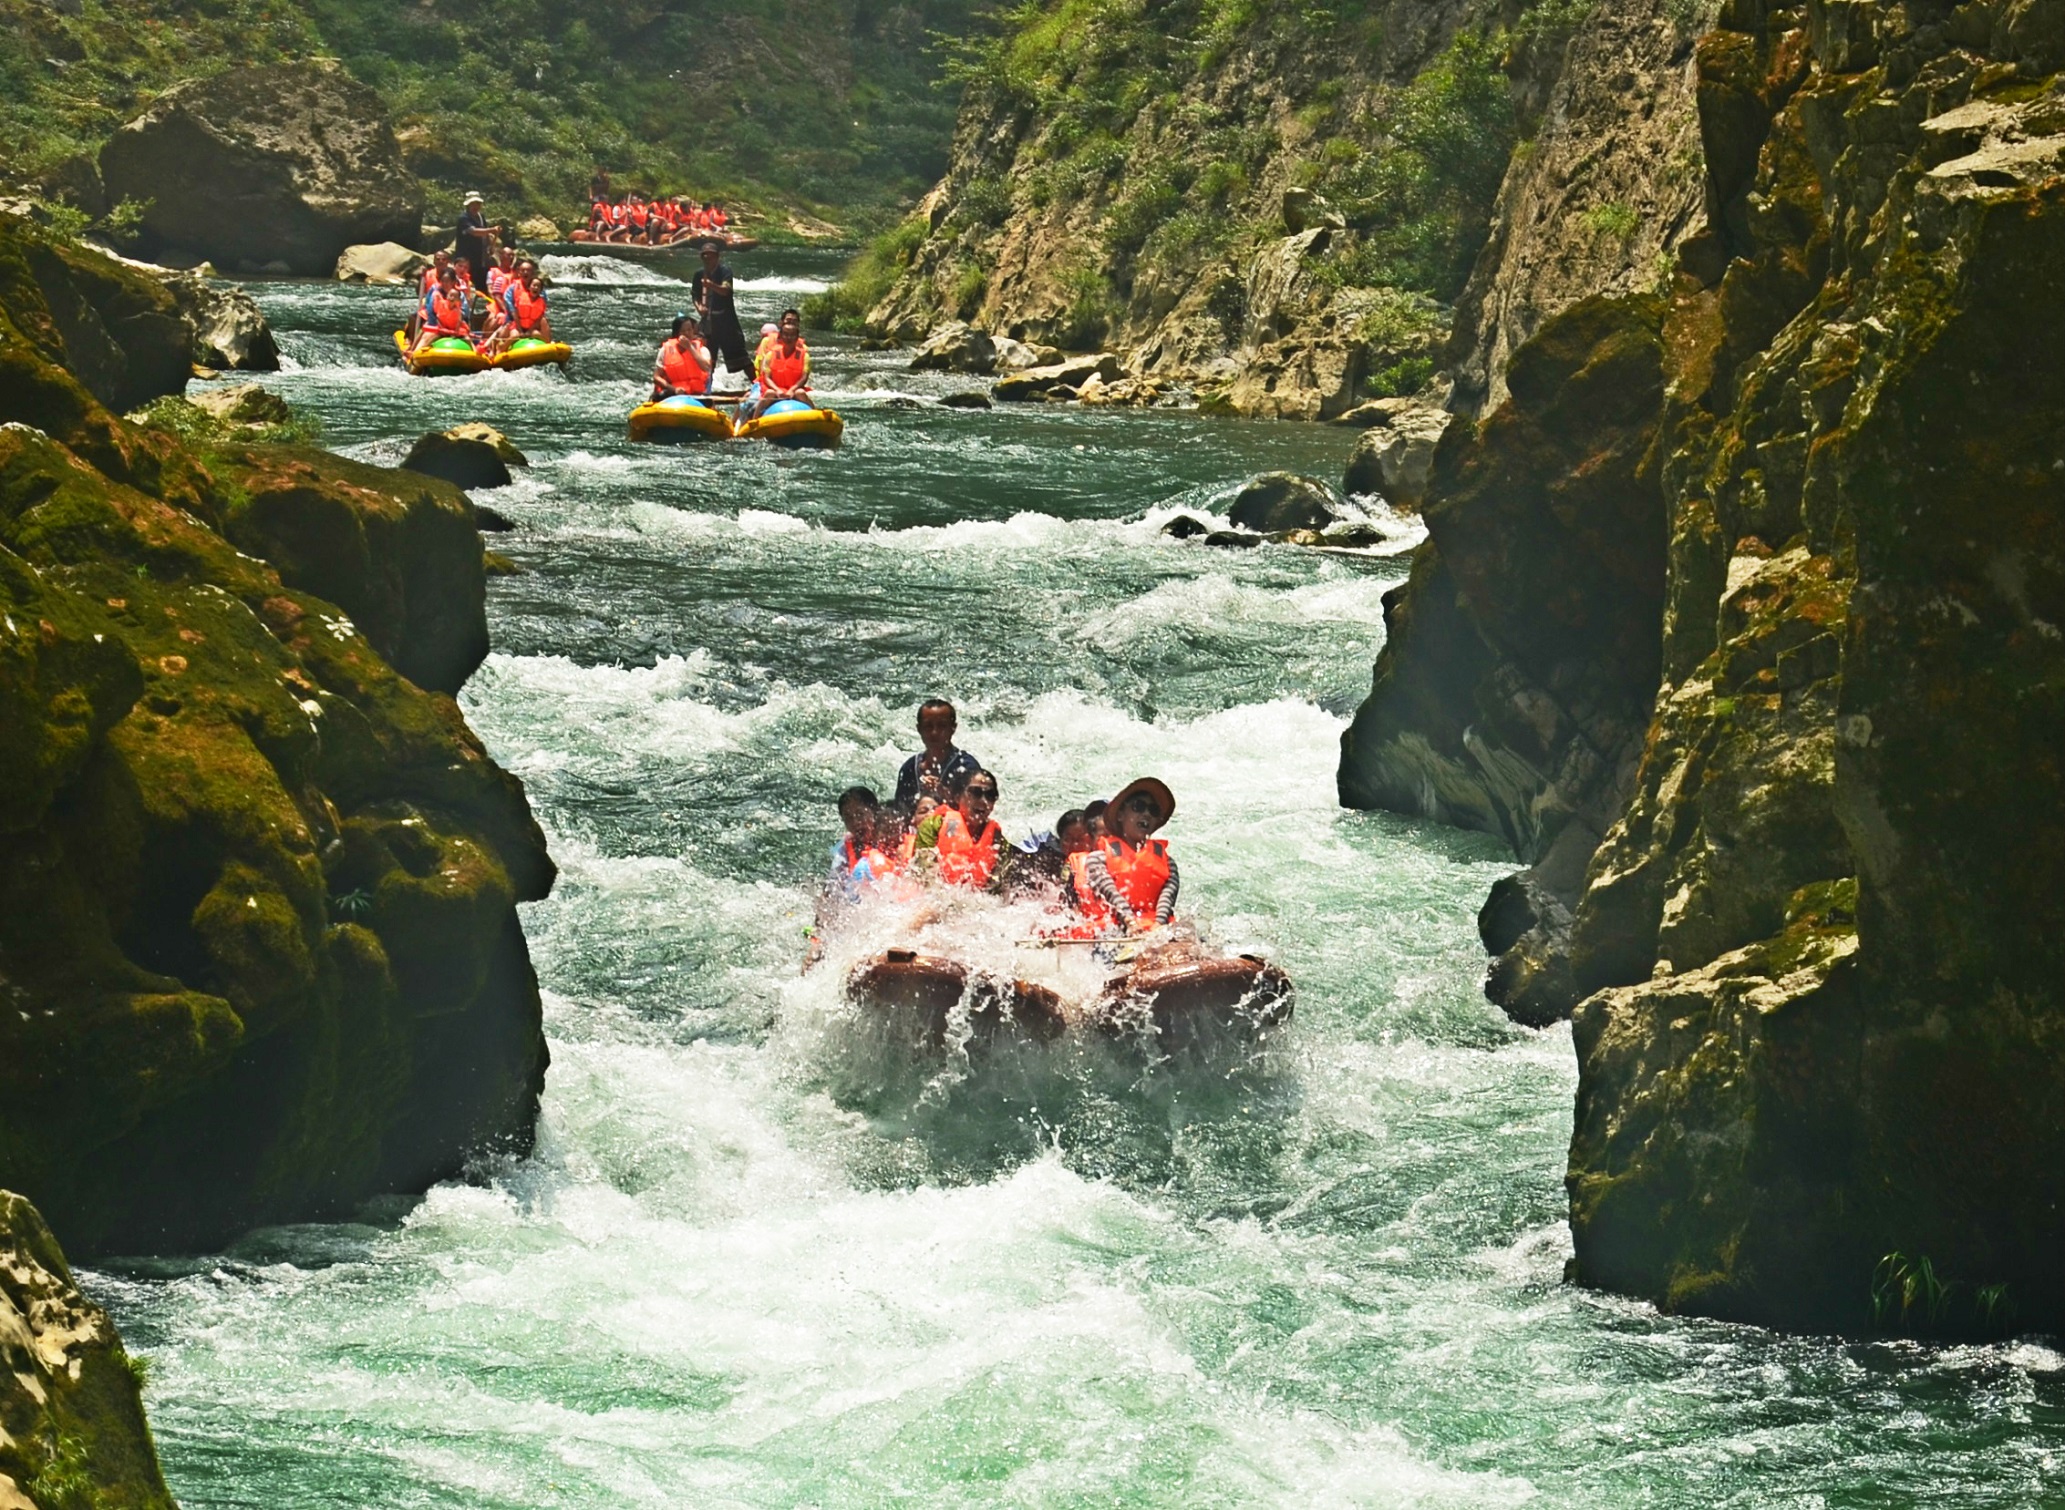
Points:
x=1128 y=882
x=962 y=844
x=863 y=856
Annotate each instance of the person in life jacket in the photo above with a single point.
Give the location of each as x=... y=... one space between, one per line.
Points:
x=502 y=272
x=523 y=312
x=1129 y=882
x=718 y=219
x=785 y=371
x=444 y=313
x=424 y=284
x=965 y=844
x=598 y=218
x=639 y=217
x=1043 y=859
x=620 y=221
x=865 y=854
x=767 y=335
x=684 y=362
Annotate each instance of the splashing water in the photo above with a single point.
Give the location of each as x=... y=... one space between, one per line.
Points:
x=759 y=1260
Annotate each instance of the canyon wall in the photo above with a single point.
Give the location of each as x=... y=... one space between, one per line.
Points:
x=259 y=950
x=1813 y=962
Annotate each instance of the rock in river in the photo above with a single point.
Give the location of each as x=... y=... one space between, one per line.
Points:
x=72 y=1430
x=1395 y=458
x=228 y=330
x=1284 y=501
x=956 y=346
x=273 y=163
x=1070 y=373
x=385 y=262
x=471 y=455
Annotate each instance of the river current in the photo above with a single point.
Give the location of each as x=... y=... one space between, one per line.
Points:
x=744 y=1269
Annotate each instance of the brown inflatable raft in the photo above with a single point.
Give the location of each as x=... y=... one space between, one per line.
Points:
x=926 y=988
x=1195 y=1002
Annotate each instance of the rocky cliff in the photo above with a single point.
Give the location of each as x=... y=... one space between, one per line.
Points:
x=72 y=1431
x=258 y=939
x=1270 y=203
x=1814 y=961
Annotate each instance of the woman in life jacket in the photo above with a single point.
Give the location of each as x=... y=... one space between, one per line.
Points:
x=784 y=373
x=444 y=312
x=865 y=853
x=1128 y=883
x=684 y=362
x=965 y=845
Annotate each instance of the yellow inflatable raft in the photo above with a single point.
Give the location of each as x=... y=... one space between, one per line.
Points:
x=530 y=353
x=679 y=418
x=791 y=423
x=447 y=354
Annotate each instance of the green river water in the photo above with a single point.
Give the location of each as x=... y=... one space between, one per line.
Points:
x=747 y=1267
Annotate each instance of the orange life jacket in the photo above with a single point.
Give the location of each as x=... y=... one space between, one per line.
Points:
x=499 y=278
x=526 y=306
x=719 y=219
x=446 y=312
x=684 y=371
x=967 y=859
x=640 y=215
x=783 y=368
x=1139 y=874
x=879 y=864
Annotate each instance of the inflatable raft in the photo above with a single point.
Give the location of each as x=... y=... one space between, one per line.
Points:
x=530 y=353
x=679 y=418
x=444 y=355
x=690 y=243
x=921 y=991
x=1195 y=1002
x=789 y=422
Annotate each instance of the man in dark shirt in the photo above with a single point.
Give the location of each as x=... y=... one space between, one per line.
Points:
x=711 y=289
x=475 y=239
x=940 y=768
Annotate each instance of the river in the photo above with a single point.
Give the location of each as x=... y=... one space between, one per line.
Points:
x=737 y=1273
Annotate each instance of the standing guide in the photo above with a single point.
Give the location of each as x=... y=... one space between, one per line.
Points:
x=711 y=288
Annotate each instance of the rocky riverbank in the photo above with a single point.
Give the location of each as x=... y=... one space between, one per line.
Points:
x=72 y=1431
x=257 y=878
x=1763 y=592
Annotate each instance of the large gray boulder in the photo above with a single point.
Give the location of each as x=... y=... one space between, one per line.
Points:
x=1278 y=501
x=957 y=346
x=380 y=262
x=1071 y=373
x=229 y=330
x=1395 y=460
x=283 y=164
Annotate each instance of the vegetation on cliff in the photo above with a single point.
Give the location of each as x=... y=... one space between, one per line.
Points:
x=832 y=107
x=1274 y=200
x=257 y=879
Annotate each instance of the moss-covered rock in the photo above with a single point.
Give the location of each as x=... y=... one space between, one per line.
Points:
x=224 y=1008
x=1821 y=1036
x=72 y=1432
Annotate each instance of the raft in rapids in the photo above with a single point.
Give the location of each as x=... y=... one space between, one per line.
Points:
x=454 y=354
x=792 y=423
x=680 y=417
x=1190 y=1002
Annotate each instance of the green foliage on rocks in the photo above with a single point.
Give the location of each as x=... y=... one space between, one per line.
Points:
x=831 y=105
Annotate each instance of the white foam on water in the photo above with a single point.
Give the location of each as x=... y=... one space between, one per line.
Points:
x=599 y=270
x=779 y=283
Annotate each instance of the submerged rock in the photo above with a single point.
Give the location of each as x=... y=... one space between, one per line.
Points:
x=72 y=1429
x=1186 y=527
x=970 y=400
x=281 y=164
x=1284 y=501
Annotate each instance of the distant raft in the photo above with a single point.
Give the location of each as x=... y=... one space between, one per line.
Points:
x=789 y=422
x=447 y=354
x=533 y=353
x=680 y=418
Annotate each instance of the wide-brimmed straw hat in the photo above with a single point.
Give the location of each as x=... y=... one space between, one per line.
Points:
x=1155 y=788
x=473 y=198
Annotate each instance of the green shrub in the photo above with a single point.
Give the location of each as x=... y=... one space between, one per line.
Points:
x=867 y=278
x=1613 y=220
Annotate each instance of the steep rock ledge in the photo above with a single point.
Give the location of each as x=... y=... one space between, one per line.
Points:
x=258 y=943
x=72 y=1430
x=1815 y=961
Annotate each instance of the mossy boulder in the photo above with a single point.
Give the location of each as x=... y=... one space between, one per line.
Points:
x=226 y=1008
x=72 y=1430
